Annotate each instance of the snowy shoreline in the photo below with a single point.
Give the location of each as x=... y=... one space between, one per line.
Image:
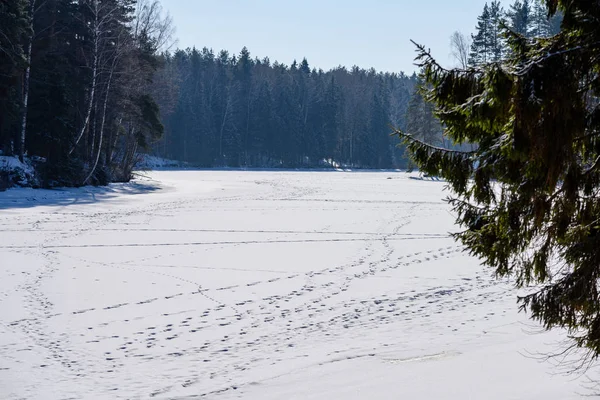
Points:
x=17 y=174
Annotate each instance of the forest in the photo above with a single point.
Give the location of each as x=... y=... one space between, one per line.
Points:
x=75 y=86
x=87 y=86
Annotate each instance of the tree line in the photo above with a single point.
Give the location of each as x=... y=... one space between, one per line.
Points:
x=235 y=110
x=75 y=85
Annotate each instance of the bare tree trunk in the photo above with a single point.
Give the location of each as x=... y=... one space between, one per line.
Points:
x=111 y=149
x=247 y=128
x=93 y=128
x=305 y=100
x=223 y=127
x=101 y=134
x=94 y=78
x=128 y=159
x=26 y=83
x=352 y=146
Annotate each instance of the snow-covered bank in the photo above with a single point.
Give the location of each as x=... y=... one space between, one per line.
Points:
x=150 y=162
x=25 y=197
x=13 y=172
x=256 y=285
x=17 y=174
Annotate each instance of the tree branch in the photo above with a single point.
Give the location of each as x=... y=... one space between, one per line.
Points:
x=411 y=138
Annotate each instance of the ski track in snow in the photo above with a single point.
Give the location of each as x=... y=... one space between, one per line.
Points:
x=220 y=284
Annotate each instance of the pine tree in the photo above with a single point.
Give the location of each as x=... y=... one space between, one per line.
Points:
x=379 y=125
x=519 y=17
x=527 y=196
x=330 y=109
x=487 y=43
x=262 y=127
x=494 y=37
x=421 y=121
x=480 y=41
x=555 y=23
x=245 y=96
x=304 y=67
x=540 y=23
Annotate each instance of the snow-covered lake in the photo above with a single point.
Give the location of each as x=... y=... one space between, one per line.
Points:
x=257 y=285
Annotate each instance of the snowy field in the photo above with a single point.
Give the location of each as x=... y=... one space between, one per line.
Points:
x=257 y=285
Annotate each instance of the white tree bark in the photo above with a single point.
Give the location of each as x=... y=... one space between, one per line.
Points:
x=96 y=35
x=26 y=83
x=101 y=134
x=223 y=125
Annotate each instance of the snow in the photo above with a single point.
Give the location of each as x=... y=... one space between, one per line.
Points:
x=257 y=285
x=21 y=173
x=147 y=161
x=9 y=162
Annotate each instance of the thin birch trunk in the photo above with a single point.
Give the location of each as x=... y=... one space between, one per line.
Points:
x=101 y=125
x=94 y=79
x=26 y=83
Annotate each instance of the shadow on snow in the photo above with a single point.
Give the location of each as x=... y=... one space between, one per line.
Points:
x=16 y=198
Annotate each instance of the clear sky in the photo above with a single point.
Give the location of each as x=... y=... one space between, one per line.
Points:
x=367 y=33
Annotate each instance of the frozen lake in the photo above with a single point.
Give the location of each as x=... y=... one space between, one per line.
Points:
x=257 y=285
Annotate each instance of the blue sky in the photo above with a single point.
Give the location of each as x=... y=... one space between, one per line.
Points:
x=367 y=33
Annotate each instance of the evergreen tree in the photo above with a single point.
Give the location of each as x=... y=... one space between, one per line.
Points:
x=304 y=67
x=243 y=76
x=421 y=121
x=540 y=23
x=555 y=22
x=13 y=31
x=379 y=127
x=480 y=41
x=487 y=43
x=330 y=115
x=494 y=37
x=527 y=195
x=519 y=17
x=262 y=127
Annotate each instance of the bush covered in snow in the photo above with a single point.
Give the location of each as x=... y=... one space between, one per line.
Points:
x=149 y=162
x=16 y=173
